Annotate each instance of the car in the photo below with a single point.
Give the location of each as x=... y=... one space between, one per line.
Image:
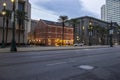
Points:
x=78 y=44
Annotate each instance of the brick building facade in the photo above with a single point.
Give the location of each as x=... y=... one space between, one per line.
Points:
x=50 y=34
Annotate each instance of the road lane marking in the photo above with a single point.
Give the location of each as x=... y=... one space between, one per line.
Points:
x=86 y=49
x=86 y=67
x=91 y=49
x=72 y=61
x=56 y=63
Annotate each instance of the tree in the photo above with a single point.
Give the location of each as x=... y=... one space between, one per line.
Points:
x=74 y=22
x=102 y=31
x=63 y=19
x=8 y=17
x=21 y=17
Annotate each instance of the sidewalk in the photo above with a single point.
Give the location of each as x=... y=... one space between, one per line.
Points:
x=36 y=48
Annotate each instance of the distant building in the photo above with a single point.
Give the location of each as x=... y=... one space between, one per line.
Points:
x=31 y=33
x=49 y=33
x=103 y=12
x=21 y=5
x=92 y=31
x=112 y=11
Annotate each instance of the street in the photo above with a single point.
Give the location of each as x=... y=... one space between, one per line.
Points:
x=78 y=64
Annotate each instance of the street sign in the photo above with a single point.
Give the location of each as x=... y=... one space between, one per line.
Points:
x=111 y=31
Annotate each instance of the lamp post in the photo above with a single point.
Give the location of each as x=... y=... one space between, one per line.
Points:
x=111 y=34
x=13 y=43
x=3 y=13
x=119 y=36
x=83 y=29
x=73 y=21
x=90 y=33
x=78 y=39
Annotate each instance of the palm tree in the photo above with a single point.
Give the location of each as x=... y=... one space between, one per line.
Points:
x=63 y=19
x=21 y=17
x=8 y=16
x=74 y=22
x=101 y=33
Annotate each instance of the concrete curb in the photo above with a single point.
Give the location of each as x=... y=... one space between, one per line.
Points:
x=37 y=49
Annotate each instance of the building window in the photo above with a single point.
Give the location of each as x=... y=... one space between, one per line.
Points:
x=21 y=6
x=49 y=29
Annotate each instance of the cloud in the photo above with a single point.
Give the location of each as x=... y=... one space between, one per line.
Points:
x=93 y=6
x=41 y=13
x=62 y=7
x=52 y=9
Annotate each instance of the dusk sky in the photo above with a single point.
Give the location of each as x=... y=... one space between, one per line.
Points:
x=52 y=9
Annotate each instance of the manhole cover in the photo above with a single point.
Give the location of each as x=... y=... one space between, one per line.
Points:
x=86 y=67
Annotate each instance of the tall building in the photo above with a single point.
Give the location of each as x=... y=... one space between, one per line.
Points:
x=21 y=26
x=112 y=11
x=31 y=33
x=103 y=12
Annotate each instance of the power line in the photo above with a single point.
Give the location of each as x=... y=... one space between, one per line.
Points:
x=35 y=8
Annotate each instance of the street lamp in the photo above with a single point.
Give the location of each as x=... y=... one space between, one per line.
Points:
x=90 y=33
x=83 y=28
x=3 y=13
x=118 y=36
x=78 y=38
x=111 y=34
x=13 y=43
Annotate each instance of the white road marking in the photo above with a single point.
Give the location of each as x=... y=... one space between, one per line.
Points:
x=56 y=63
x=86 y=67
x=86 y=49
x=90 y=49
x=71 y=61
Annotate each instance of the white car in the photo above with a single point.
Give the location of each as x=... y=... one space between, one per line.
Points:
x=78 y=44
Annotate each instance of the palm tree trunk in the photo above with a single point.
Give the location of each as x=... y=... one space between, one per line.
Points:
x=19 y=34
x=7 y=22
x=23 y=31
x=23 y=38
x=63 y=33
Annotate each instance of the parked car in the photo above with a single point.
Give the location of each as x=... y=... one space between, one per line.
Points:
x=78 y=44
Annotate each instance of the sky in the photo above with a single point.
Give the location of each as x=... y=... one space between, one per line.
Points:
x=52 y=9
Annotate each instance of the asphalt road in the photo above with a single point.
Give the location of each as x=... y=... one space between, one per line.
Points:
x=81 y=64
